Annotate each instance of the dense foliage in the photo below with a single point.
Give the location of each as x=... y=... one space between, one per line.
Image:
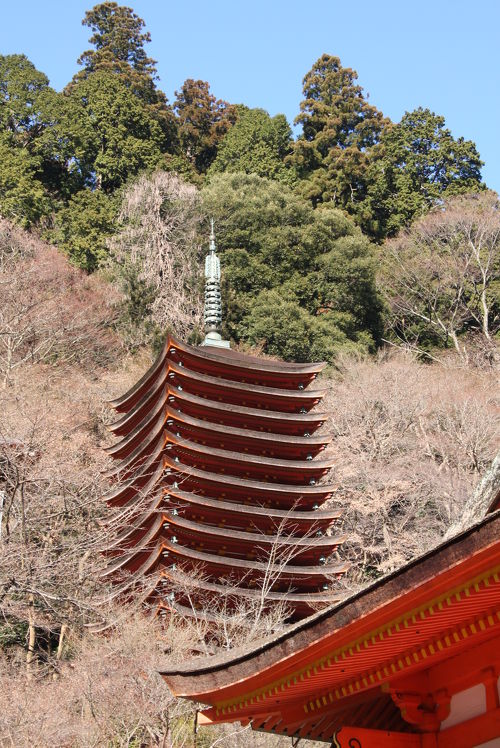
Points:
x=299 y=280
x=257 y=144
x=294 y=216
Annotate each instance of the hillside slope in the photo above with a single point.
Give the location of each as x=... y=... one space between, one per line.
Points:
x=411 y=441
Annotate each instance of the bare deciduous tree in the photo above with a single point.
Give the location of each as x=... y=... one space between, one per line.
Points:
x=48 y=310
x=159 y=218
x=441 y=276
x=412 y=441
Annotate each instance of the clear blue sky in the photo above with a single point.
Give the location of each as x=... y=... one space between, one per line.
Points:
x=441 y=54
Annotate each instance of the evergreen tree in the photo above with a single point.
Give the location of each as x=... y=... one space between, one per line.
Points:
x=83 y=226
x=23 y=98
x=419 y=162
x=119 y=40
x=319 y=266
x=34 y=167
x=257 y=144
x=23 y=198
x=339 y=129
x=119 y=51
x=113 y=134
x=203 y=121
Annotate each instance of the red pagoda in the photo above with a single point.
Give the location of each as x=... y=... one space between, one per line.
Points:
x=219 y=473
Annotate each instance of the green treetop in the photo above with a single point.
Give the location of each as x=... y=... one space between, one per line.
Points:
x=30 y=149
x=118 y=38
x=257 y=144
x=114 y=135
x=339 y=129
x=418 y=162
x=203 y=121
x=23 y=95
x=297 y=280
x=119 y=50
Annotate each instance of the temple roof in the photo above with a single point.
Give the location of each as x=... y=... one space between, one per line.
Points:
x=303 y=682
x=225 y=363
x=229 y=667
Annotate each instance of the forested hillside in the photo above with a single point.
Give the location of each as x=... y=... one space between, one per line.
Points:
x=370 y=244
x=411 y=441
x=302 y=223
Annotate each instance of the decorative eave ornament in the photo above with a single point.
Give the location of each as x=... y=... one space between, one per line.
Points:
x=213 y=304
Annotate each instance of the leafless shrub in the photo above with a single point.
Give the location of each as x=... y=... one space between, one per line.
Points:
x=108 y=693
x=158 y=242
x=49 y=311
x=412 y=440
x=440 y=275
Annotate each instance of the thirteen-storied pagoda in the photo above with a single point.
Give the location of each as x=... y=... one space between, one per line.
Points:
x=219 y=470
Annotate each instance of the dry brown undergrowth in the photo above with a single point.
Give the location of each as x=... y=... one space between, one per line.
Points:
x=411 y=441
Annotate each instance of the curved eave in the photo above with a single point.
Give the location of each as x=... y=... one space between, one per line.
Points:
x=228 y=390
x=309 y=443
x=140 y=430
x=273 y=421
x=254 y=539
x=256 y=513
x=150 y=474
x=259 y=463
x=146 y=382
x=147 y=543
x=257 y=441
x=298 y=470
x=141 y=409
x=292 y=571
x=136 y=523
x=239 y=365
x=223 y=590
x=147 y=589
x=459 y=561
x=149 y=444
x=270 y=490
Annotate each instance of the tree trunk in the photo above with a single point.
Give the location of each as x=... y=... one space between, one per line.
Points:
x=60 y=647
x=30 y=655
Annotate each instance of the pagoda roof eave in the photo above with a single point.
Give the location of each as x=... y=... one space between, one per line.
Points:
x=289 y=570
x=273 y=393
x=216 y=428
x=314 y=516
x=164 y=412
x=151 y=397
x=150 y=584
x=233 y=589
x=153 y=438
x=230 y=358
x=137 y=523
x=241 y=410
x=268 y=488
x=156 y=413
x=248 y=458
x=130 y=484
x=254 y=538
x=121 y=561
x=159 y=433
x=212 y=680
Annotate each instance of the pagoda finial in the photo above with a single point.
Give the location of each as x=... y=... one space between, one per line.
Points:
x=213 y=304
